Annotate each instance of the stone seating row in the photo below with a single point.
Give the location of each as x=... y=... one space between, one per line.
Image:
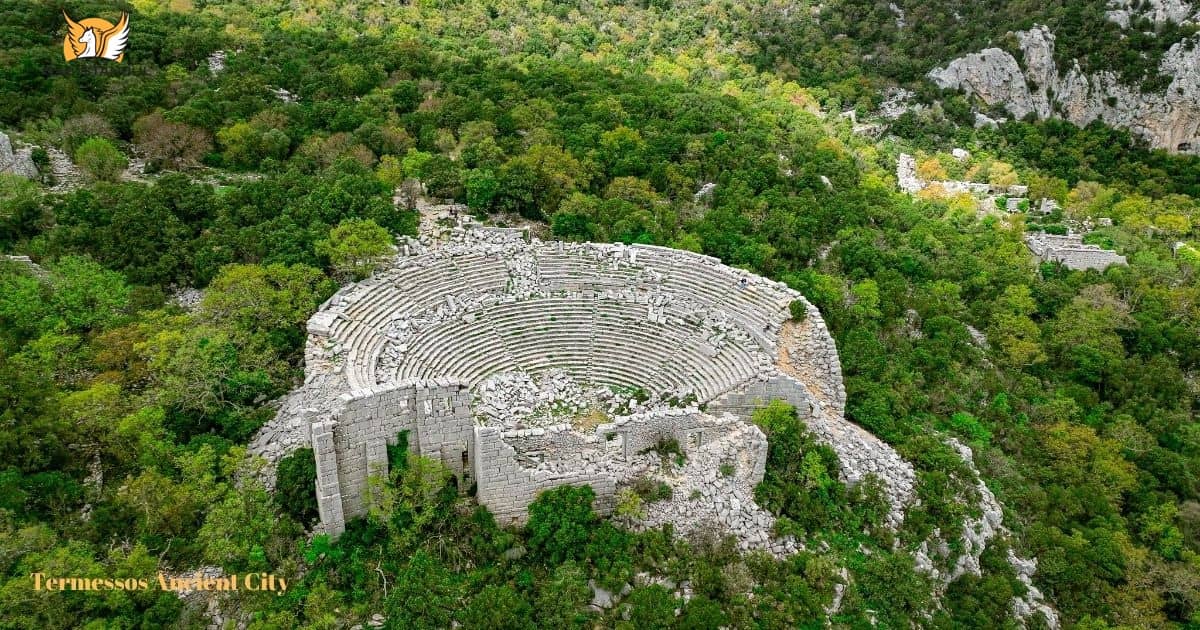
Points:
x=533 y=340
x=482 y=273
x=414 y=287
x=455 y=348
x=679 y=367
x=606 y=342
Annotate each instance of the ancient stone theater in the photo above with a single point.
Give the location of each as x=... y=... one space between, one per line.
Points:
x=522 y=365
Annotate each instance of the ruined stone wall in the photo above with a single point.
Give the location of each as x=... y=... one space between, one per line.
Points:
x=507 y=488
x=513 y=467
x=639 y=433
x=1079 y=258
x=807 y=353
x=1071 y=251
x=860 y=453
x=28 y=264
x=352 y=444
x=758 y=394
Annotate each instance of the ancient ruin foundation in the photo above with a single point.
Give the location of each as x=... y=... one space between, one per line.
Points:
x=523 y=365
x=1071 y=252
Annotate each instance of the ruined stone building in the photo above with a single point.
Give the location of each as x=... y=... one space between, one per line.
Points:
x=1071 y=251
x=1048 y=206
x=909 y=182
x=524 y=365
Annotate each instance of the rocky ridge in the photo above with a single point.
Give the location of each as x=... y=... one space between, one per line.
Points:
x=1123 y=12
x=1169 y=120
x=978 y=531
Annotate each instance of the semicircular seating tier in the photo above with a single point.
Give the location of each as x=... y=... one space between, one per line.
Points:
x=666 y=320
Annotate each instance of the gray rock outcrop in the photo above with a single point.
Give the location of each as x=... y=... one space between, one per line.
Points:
x=18 y=161
x=1168 y=120
x=1159 y=12
x=978 y=532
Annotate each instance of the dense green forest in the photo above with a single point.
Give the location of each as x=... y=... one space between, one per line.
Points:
x=124 y=417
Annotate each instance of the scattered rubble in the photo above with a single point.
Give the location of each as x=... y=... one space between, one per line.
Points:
x=1160 y=12
x=216 y=62
x=187 y=298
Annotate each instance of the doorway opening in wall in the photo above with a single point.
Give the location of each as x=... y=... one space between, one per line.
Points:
x=614 y=443
x=397 y=453
x=466 y=470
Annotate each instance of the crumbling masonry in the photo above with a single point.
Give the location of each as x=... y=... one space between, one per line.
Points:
x=523 y=365
x=1071 y=251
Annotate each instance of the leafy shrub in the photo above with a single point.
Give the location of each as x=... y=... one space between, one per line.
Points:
x=629 y=504
x=652 y=490
x=560 y=521
x=100 y=160
x=970 y=427
x=799 y=310
x=801 y=479
x=295 y=485
x=75 y=131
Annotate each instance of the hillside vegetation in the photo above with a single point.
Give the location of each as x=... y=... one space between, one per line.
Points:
x=125 y=417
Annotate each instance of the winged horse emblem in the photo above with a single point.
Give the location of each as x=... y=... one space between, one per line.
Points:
x=96 y=38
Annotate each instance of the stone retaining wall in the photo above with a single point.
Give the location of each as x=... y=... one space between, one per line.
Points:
x=507 y=488
x=351 y=445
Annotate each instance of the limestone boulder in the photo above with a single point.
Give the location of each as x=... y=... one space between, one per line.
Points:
x=17 y=161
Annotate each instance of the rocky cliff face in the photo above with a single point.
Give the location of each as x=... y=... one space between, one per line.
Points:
x=16 y=162
x=1124 y=12
x=1169 y=120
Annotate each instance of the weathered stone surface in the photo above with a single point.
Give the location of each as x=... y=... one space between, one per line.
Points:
x=16 y=161
x=216 y=62
x=1157 y=11
x=977 y=533
x=1071 y=251
x=1169 y=120
x=27 y=263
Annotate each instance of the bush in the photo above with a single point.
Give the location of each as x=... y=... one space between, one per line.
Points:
x=560 y=523
x=295 y=486
x=651 y=490
x=75 y=131
x=799 y=310
x=969 y=426
x=629 y=504
x=100 y=160
x=801 y=479
x=170 y=144
x=41 y=159
x=356 y=247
